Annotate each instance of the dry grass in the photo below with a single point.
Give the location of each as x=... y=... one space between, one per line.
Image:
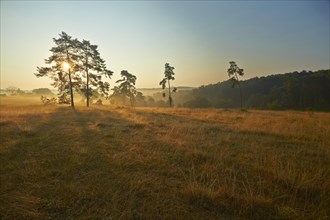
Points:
x=161 y=163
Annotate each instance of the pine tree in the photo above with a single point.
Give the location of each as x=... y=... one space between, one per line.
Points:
x=65 y=66
x=233 y=72
x=126 y=88
x=70 y=61
x=168 y=77
x=94 y=68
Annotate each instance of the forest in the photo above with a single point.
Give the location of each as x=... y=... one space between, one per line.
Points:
x=304 y=90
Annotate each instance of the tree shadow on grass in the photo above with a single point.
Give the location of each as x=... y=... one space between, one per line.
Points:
x=84 y=164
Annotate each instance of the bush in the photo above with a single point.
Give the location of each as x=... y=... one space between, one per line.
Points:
x=48 y=101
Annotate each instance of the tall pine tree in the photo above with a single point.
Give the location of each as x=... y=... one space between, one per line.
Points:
x=64 y=70
x=233 y=72
x=126 y=89
x=94 y=68
x=169 y=75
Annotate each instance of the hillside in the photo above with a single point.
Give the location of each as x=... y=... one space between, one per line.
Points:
x=297 y=90
x=161 y=163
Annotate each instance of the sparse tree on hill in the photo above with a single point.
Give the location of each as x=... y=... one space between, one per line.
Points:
x=126 y=88
x=233 y=72
x=94 y=68
x=169 y=75
x=65 y=66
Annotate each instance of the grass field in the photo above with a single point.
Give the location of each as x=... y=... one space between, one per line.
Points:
x=160 y=163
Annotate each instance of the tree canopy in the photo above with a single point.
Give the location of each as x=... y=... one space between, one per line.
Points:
x=126 y=89
x=70 y=62
x=94 y=68
x=233 y=72
x=169 y=75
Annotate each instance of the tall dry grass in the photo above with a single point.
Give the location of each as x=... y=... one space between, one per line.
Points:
x=161 y=163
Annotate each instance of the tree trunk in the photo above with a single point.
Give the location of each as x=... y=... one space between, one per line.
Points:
x=70 y=80
x=240 y=92
x=87 y=83
x=87 y=88
x=169 y=93
x=132 y=100
x=71 y=91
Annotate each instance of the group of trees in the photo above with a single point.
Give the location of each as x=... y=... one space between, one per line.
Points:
x=126 y=90
x=76 y=66
x=12 y=90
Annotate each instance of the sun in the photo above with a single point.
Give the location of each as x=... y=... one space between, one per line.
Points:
x=66 y=65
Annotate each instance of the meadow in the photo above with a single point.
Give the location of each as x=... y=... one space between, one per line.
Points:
x=107 y=162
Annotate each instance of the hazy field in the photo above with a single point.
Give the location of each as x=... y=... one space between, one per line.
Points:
x=161 y=163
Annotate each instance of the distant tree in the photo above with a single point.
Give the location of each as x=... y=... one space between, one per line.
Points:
x=151 y=101
x=169 y=75
x=65 y=66
x=42 y=91
x=140 y=99
x=126 y=88
x=11 y=90
x=94 y=68
x=20 y=92
x=233 y=72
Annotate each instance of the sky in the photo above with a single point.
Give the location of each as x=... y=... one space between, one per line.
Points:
x=198 y=38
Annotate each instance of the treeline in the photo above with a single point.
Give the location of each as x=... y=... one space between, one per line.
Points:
x=14 y=91
x=297 y=90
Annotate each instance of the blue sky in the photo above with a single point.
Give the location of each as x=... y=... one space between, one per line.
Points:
x=198 y=38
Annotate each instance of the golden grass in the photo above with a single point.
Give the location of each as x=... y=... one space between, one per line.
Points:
x=160 y=163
